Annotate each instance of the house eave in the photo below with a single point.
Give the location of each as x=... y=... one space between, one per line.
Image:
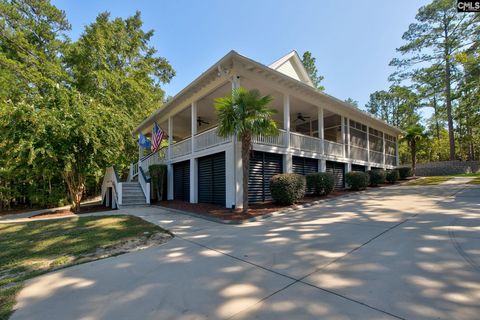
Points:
x=230 y=59
x=183 y=93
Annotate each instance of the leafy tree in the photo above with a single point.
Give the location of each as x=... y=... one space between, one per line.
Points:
x=352 y=102
x=245 y=114
x=468 y=111
x=309 y=63
x=398 y=106
x=113 y=63
x=413 y=136
x=428 y=85
x=67 y=109
x=437 y=35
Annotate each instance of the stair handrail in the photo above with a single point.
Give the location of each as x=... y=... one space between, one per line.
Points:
x=144 y=183
x=111 y=178
x=117 y=188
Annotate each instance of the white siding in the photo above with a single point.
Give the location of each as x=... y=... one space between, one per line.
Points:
x=288 y=69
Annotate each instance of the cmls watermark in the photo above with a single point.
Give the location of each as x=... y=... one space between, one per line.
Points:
x=468 y=6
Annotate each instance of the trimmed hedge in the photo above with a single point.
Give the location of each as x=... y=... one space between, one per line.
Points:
x=321 y=183
x=376 y=177
x=392 y=176
x=357 y=180
x=405 y=172
x=287 y=188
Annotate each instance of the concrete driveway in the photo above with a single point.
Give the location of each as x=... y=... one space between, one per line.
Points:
x=392 y=253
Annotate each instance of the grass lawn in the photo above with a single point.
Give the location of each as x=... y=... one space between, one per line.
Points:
x=30 y=249
x=475 y=181
x=426 y=181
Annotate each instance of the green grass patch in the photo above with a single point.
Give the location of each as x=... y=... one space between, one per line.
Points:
x=428 y=181
x=7 y=301
x=475 y=181
x=471 y=174
x=30 y=249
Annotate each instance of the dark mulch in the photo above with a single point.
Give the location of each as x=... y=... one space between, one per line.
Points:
x=255 y=210
x=66 y=212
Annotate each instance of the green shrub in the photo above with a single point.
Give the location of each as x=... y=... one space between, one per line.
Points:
x=357 y=180
x=287 y=188
x=158 y=174
x=376 y=177
x=405 y=172
x=392 y=176
x=321 y=183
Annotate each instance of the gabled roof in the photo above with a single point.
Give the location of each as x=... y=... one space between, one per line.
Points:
x=292 y=66
x=306 y=86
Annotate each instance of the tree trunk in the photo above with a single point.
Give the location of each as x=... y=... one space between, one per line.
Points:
x=437 y=126
x=448 y=94
x=246 y=148
x=76 y=186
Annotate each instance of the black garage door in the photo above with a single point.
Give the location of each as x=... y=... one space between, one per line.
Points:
x=304 y=166
x=338 y=170
x=356 y=167
x=263 y=166
x=181 y=181
x=211 y=179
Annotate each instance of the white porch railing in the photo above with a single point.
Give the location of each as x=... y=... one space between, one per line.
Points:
x=153 y=158
x=209 y=139
x=358 y=153
x=333 y=148
x=376 y=157
x=145 y=184
x=278 y=140
x=305 y=143
x=182 y=148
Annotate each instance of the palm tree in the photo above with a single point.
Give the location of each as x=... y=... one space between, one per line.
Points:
x=245 y=114
x=413 y=135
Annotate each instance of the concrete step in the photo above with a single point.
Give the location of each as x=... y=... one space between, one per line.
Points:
x=132 y=188
x=134 y=204
x=136 y=199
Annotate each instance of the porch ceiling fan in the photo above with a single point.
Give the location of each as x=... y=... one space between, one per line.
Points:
x=301 y=117
x=200 y=121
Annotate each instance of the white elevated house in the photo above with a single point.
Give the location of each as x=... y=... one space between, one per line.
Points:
x=318 y=133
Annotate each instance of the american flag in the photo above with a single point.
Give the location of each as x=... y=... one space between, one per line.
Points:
x=157 y=137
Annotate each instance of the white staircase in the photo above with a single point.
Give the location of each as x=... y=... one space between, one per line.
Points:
x=132 y=194
x=118 y=194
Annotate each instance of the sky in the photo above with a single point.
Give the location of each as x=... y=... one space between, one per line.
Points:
x=353 y=41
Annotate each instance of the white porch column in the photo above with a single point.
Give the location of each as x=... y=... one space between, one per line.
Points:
x=287 y=158
x=348 y=167
x=397 y=161
x=368 y=144
x=383 y=149
x=194 y=124
x=193 y=180
x=236 y=162
x=193 y=160
x=170 y=137
x=321 y=127
x=342 y=128
x=238 y=173
x=169 y=182
x=169 y=157
x=347 y=125
x=322 y=165
x=230 y=185
x=286 y=118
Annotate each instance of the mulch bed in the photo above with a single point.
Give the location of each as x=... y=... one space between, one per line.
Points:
x=66 y=212
x=255 y=210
